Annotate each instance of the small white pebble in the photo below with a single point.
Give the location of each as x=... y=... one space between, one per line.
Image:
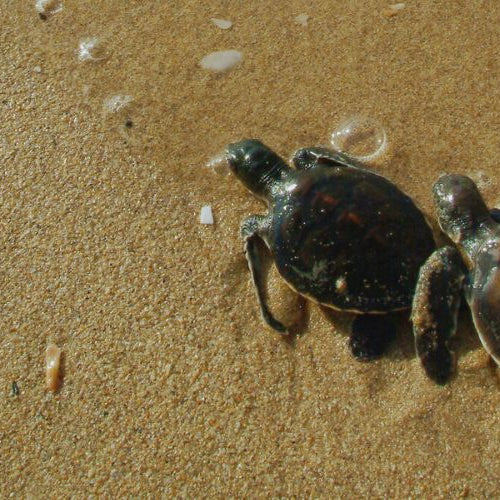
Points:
x=302 y=19
x=222 y=60
x=114 y=103
x=223 y=24
x=48 y=7
x=206 y=216
x=52 y=362
x=397 y=6
x=37 y=69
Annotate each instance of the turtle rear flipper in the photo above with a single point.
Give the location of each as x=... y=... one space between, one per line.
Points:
x=371 y=335
x=435 y=309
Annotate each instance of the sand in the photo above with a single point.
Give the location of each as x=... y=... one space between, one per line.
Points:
x=171 y=384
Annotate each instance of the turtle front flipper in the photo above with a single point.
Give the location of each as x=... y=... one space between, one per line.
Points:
x=435 y=309
x=253 y=229
x=307 y=158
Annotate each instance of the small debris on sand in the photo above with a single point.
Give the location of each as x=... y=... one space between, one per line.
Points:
x=223 y=24
x=114 y=103
x=37 y=69
x=52 y=363
x=302 y=19
x=206 y=216
x=15 y=389
x=393 y=9
x=221 y=60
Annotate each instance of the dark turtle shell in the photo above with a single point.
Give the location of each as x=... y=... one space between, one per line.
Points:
x=348 y=238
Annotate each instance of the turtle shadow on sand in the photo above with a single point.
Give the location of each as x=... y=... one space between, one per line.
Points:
x=401 y=348
x=403 y=345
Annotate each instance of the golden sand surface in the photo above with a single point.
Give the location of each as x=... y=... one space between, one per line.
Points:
x=172 y=385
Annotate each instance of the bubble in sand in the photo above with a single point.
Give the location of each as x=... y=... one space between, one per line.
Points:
x=482 y=179
x=46 y=8
x=218 y=164
x=221 y=60
x=361 y=137
x=90 y=49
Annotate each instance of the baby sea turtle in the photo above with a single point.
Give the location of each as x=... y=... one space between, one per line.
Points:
x=474 y=268
x=340 y=235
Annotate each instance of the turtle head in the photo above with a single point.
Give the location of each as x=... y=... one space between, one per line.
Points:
x=460 y=208
x=255 y=165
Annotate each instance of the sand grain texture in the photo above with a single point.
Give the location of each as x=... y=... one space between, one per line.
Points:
x=170 y=382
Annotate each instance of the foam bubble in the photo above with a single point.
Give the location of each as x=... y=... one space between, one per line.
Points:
x=90 y=49
x=360 y=137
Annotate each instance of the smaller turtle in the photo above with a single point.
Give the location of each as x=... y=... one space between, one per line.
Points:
x=339 y=234
x=472 y=266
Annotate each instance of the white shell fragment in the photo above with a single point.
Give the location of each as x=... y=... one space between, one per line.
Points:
x=89 y=49
x=114 y=103
x=37 y=69
x=221 y=60
x=206 y=216
x=223 y=24
x=302 y=19
x=48 y=7
x=52 y=363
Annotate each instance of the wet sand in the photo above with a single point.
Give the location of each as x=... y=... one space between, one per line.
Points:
x=171 y=384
